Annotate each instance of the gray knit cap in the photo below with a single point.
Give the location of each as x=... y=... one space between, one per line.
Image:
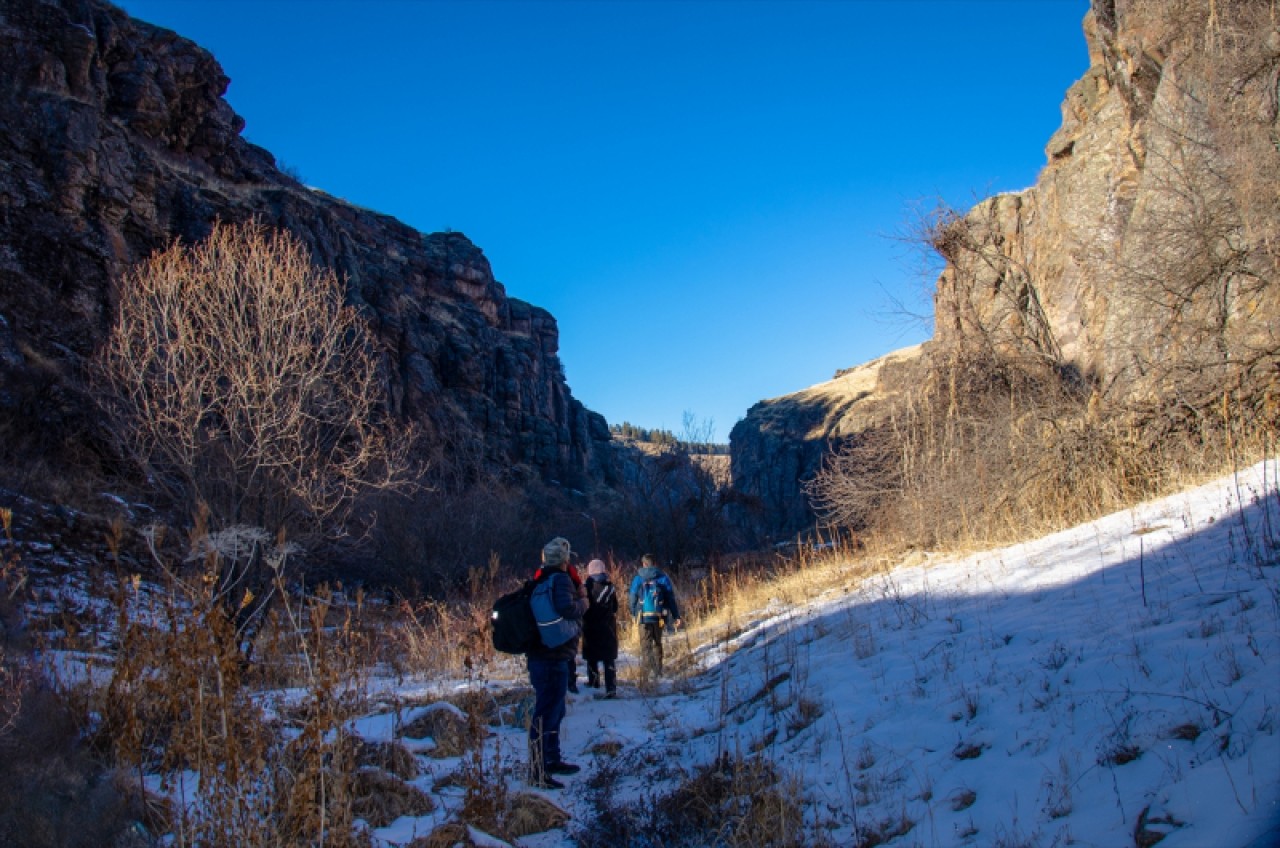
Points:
x=555 y=552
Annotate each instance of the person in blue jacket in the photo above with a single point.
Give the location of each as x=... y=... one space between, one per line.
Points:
x=558 y=606
x=653 y=605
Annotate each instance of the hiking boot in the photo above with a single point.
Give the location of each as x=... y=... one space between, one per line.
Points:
x=544 y=782
x=563 y=768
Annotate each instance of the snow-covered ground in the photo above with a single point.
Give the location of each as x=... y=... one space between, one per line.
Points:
x=1058 y=692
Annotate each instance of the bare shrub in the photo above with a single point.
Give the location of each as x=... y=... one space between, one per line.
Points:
x=985 y=450
x=14 y=683
x=16 y=675
x=241 y=385
x=13 y=584
x=1199 y=258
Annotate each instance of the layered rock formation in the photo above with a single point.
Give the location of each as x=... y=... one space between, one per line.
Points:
x=1142 y=266
x=115 y=140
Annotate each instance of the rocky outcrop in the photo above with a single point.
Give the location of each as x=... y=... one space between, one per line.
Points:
x=781 y=443
x=1144 y=259
x=1141 y=266
x=115 y=140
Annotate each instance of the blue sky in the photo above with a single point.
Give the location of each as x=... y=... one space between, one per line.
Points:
x=707 y=195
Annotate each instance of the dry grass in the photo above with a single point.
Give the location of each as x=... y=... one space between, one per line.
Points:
x=181 y=702
x=737 y=802
x=725 y=602
x=990 y=451
x=450 y=634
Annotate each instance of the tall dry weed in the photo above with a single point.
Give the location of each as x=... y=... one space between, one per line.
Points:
x=181 y=706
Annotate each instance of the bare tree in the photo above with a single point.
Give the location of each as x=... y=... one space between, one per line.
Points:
x=246 y=390
x=240 y=382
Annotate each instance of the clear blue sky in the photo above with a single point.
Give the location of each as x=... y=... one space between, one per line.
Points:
x=705 y=194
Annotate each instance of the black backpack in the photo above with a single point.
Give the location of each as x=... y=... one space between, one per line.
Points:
x=515 y=630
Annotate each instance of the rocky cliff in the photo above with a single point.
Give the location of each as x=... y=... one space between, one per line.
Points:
x=1144 y=260
x=115 y=140
x=781 y=443
x=1141 y=266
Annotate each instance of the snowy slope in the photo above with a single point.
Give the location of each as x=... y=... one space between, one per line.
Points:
x=1055 y=692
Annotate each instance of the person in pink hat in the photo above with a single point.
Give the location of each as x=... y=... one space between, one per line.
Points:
x=600 y=630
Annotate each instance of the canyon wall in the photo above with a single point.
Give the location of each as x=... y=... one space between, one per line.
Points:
x=115 y=140
x=781 y=443
x=1144 y=259
x=1141 y=268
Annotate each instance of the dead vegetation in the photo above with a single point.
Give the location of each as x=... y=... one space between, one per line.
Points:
x=737 y=802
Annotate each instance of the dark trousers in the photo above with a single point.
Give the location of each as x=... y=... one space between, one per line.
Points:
x=550 y=681
x=651 y=644
x=610 y=674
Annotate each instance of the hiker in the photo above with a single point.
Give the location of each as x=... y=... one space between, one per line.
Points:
x=600 y=629
x=653 y=605
x=558 y=606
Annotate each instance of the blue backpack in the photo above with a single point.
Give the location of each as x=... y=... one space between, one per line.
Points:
x=553 y=629
x=653 y=602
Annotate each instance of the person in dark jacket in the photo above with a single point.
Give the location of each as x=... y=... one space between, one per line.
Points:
x=600 y=629
x=653 y=606
x=572 y=664
x=558 y=606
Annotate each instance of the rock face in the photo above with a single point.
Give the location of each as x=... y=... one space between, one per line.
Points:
x=1144 y=259
x=781 y=443
x=1142 y=265
x=115 y=140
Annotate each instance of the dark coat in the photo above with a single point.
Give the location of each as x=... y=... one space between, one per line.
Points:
x=600 y=622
